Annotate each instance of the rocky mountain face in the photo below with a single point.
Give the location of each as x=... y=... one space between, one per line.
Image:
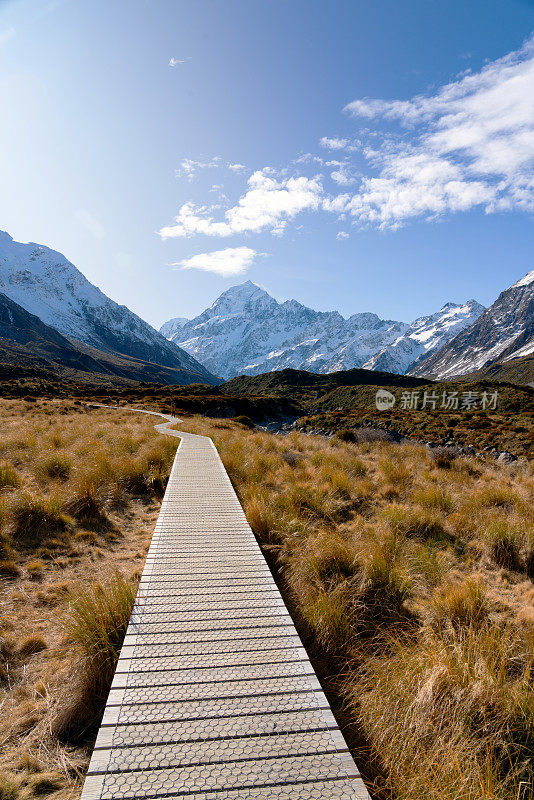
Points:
x=27 y=342
x=503 y=332
x=424 y=336
x=246 y=331
x=44 y=283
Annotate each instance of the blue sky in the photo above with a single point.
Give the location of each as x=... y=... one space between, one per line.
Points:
x=352 y=155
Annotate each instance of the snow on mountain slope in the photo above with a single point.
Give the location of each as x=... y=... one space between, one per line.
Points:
x=46 y=284
x=246 y=331
x=424 y=336
x=504 y=331
x=168 y=329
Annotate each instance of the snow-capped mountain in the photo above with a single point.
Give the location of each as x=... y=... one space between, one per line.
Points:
x=246 y=331
x=424 y=336
x=44 y=283
x=168 y=329
x=504 y=331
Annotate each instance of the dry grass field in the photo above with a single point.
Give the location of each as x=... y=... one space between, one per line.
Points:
x=79 y=494
x=410 y=574
x=408 y=571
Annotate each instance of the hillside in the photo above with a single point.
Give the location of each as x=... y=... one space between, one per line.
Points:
x=346 y=400
x=46 y=284
x=515 y=370
x=504 y=331
x=39 y=350
x=289 y=380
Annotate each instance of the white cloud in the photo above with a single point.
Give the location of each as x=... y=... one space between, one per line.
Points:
x=470 y=144
x=189 y=166
x=268 y=204
x=342 y=235
x=174 y=62
x=308 y=158
x=333 y=143
x=342 y=174
x=227 y=262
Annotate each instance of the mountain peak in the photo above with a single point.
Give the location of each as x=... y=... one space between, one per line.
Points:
x=525 y=281
x=246 y=289
x=237 y=298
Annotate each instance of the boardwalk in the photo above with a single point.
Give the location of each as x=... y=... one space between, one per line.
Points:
x=214 y=696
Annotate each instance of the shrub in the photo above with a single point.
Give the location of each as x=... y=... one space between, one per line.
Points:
x=292 y=458
x=445 y=456
x=95 y=625
x=245 y=421
x=33 y=518
x=346 y=435
x=503 y=544
x=9 y=477
x=55 y=467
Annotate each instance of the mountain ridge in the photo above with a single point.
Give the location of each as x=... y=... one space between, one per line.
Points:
x=247 y=331
x=47 y=285
x=28 y=343
x=504 y=331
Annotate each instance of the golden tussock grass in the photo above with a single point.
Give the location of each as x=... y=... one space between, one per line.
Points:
x=408 y=573
x=79 y=495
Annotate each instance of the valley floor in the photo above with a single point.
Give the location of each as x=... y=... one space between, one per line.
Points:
x=408 y=572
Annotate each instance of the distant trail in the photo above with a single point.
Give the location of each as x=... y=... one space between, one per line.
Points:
x=214 y=697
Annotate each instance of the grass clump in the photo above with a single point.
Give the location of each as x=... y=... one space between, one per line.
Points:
x=55 y=467
x=452 y=718
x=460 y=605
x=95 y=625
x=45 y=783
x=34 y=518
x=9 y=569
x=9 y=786
x=9 y=477
x=503 y=544
x=415 y=522
x=31 y=645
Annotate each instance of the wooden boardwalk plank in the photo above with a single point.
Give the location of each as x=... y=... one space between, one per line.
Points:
x=214 y=697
